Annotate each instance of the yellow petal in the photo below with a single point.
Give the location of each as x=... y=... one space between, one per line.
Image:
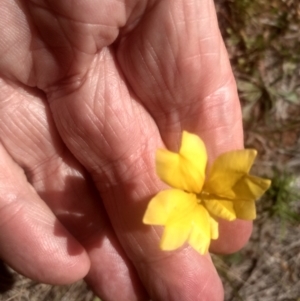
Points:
x=227 y=170
x=245 y=210
x=179 y=222
x=200 y=235
x=167 y=205
x=250 y=187
x=185 y=170
x=175 y=235
x=221 y=208
x=214 y=229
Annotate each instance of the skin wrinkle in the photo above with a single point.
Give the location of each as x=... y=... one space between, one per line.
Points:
x=22 y=150
x=210 y=54
x=8 y=49
x=72 y=81
x=199 y=20
x=136 y=11
x=164 y=255
x=8 y=13
x=138 y=249
x=174 y=122
x=113 y=135
x=171 y=82
x=39 y=217
x=151 y=73
x=83 y=12
x=20 y=127
x=176 y=43
x=227 y=121
x=45 y=267
x=86 y=24
x=106 y=99
x=76 y=93
x=87 y=234
x=204 y=284
x=34 y=123
x=156 y=60
x=37 y=173
x=128 y=171
x=112 y=128
x=196 y=56
x=143 y=184
x=219 y=92
x=225 y=139
x=79 y=55
x=168 y=291
x=172 y=51
x=69 y=115
x=203 y=287
x=131 y=179
x=187 y=20
x=60 y=27
x=74 y=46
x=145 y=65
x=10 y=206
x=96 y=123
x=134 y=7
x=134 y=172
x=7 y=99
x=118 y=123
x=176 y=72
x=57 y=252
x=32 y=215
x=41 y=16
x=94 y=37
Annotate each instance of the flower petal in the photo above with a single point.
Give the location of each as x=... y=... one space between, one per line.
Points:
x=245 y=210
x=221 y=208
x=227 y=170
x=200 y=235
x=167 y=205
x=214 y=228
x=250 y=187
x=179 y=222
x=185 y=170
x=175 y=235
x=172 y=208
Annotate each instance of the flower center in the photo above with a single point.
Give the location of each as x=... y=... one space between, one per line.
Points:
x=202 y=196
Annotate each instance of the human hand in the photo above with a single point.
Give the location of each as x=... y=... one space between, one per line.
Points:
x=99 y=87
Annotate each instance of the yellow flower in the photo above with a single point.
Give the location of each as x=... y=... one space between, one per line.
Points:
x=189 y=210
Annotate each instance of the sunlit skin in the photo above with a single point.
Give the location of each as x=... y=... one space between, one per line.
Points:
x=89 y=90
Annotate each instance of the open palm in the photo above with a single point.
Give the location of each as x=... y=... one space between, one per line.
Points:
x=88 y=91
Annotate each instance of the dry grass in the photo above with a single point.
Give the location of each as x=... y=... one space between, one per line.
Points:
x=263 y=41
x=14 y=287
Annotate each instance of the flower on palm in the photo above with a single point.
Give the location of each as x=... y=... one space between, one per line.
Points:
x=189 y=210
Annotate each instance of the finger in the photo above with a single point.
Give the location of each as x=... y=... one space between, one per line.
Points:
x=30 y=137
x=32 y=240
x=84 y=137
x=183 y=76
x=102 y=119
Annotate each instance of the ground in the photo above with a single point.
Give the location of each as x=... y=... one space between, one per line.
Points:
x=263 y=42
